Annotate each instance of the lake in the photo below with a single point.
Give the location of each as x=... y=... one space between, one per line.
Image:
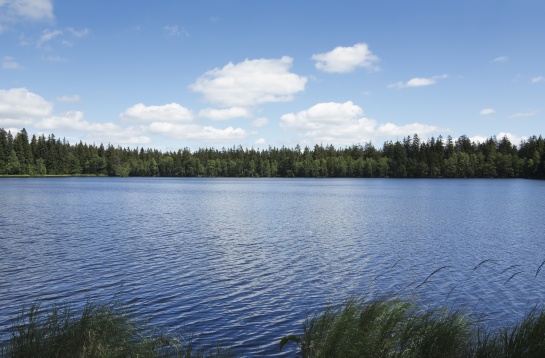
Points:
x=243 y=262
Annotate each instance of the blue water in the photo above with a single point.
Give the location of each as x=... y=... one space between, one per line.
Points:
x=242 y=262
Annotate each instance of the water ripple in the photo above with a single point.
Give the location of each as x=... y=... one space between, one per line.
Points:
x=244 y=262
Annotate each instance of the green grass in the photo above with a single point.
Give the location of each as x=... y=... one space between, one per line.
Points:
x=396 y=328
x=101 y=330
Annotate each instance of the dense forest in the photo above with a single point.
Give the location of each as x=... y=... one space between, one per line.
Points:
x=409 y=158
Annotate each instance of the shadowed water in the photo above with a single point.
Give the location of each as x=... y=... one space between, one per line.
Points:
x=242 y=262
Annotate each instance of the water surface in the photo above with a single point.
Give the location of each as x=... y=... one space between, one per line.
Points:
x=244 y=261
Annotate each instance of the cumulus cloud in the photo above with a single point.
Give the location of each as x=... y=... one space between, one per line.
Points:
x=196 y=132
x=260 y=122
x=99 y=132
x=344 y=123
x=390 y=129
x=172 y=112
x=418 y=82
x=346 y=59
x=175 y=121
x=514 y=139
x=19 y=106
x=260 y=141
x=478 y=139
x=250 y=83
x=225 y=114
x=529 y=113
x=321 y=115
x=9 y=63
x=68 y=99
x=71 y=120
x=487 y=111
x=538 y=79
x=33 y=10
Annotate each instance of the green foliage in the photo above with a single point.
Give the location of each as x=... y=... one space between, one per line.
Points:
x=411 y=157
x=383 y=328
x=396 y=328
x=526 y=339
x=101 y=330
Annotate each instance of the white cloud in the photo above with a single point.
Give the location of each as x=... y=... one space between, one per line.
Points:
x=68 y=99
x=15 y=122
x=34 y=10
x=343 y=123
x=538 y=79
x=529 y=113
x=501 y=59
x=260 y=122
x=73 y=120
x=21 y=105
x=225 y=114
x=139 y=140
x=175 y=31
x=514 y=139
x=172 y=112
x=260 y=141
x=78 y=33
x=478 y=139
x=48 y=35
x=418 y=82
x=390 y=129
x=487 y=111
x=129 y=136
x=250 y=83
x=196 y=132
x=346 y=59
x=9 y=63
x=321 y=115
x=97 y=132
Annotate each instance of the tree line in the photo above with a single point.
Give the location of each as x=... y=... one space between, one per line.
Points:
x=408 y=158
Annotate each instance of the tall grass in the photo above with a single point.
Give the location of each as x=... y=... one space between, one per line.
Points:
x=101 y=330
x=386 y=327
x=396 y=328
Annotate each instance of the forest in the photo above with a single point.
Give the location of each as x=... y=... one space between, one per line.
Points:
x=409 y=158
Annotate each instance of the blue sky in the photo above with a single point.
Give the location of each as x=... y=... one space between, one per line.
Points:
x=172 y=74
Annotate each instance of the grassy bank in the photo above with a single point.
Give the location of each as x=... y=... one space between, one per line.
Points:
x=377 y=328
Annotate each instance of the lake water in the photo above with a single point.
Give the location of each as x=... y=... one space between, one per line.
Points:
x=242 y=262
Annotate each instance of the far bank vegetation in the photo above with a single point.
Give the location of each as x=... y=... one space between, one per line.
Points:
x=411 y=157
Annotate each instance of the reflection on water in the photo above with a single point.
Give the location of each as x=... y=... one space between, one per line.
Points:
x=244 y=261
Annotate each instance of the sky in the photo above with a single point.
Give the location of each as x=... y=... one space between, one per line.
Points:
x=175 y=74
